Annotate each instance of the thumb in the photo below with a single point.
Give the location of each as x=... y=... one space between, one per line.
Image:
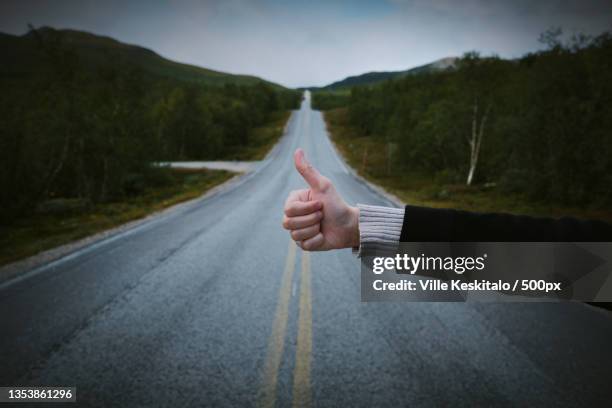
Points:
x=309 y=173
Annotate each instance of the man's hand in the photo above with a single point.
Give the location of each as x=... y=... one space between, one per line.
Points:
x=318 y=218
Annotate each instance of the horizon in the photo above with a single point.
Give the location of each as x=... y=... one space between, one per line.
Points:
x=300 y=46
x=232 y=73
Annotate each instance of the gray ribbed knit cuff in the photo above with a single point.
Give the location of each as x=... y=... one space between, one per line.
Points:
x=379 y=227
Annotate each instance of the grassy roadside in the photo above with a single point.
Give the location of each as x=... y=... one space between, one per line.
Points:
x=38 y=232
x=367 y=157
x=72 y=220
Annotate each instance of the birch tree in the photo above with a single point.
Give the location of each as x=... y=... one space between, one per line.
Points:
x=475 y=140
x=480 y=79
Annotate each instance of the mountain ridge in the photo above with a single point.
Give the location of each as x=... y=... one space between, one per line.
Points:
x=369 y=78
x=23 y=55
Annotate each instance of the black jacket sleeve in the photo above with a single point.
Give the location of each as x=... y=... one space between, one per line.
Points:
x=422 y=224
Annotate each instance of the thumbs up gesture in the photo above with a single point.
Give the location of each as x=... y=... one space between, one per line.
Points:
x=317 y=217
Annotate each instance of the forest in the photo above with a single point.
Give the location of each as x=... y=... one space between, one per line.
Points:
x=71 y=129
x=539 y=125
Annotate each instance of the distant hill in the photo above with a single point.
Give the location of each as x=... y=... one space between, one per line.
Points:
x=374 y=77
x=21 y=55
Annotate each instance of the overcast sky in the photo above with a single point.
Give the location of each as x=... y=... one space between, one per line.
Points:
x=315 y=42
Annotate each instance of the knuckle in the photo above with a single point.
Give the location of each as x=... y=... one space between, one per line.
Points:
x=289 y=210
x=292 y=197
x=285 y=222
x=325 y=183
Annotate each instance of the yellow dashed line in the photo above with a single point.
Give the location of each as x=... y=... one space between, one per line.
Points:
x=302 y=394
x=277 y=339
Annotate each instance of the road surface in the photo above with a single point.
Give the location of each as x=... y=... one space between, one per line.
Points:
x=212 y=305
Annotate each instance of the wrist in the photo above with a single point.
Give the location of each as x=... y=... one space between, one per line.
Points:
x=354 y=229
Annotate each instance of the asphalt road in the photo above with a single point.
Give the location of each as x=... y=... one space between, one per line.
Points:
x=212 y=305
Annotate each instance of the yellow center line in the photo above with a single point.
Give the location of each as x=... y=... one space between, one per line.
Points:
x=302 y=394
x=277 y=339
